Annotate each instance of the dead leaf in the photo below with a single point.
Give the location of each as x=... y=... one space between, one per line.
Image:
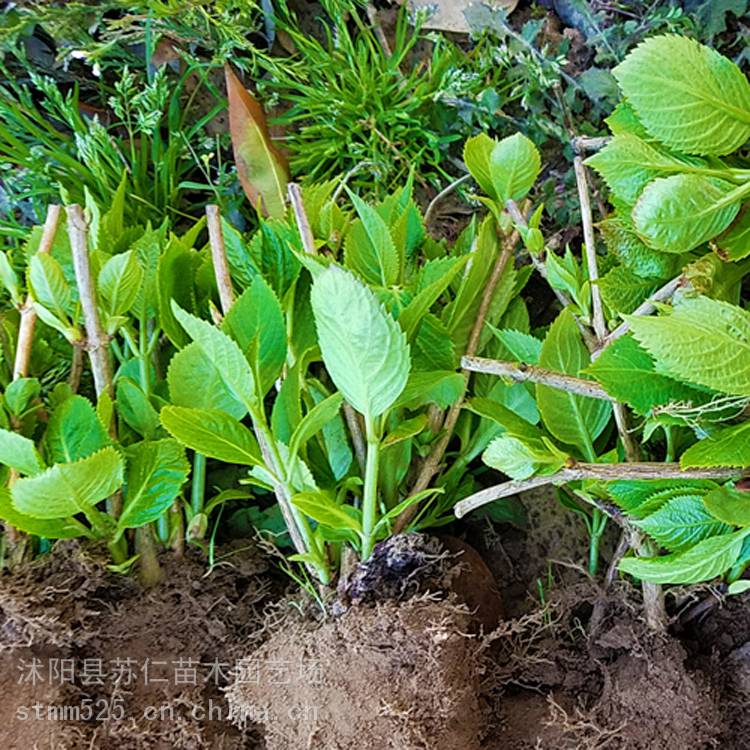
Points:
x=262 y=168
x=449 y=14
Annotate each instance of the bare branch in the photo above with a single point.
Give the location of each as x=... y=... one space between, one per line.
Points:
x=603 y=472
x=96 y=339
x=28 y=315
x=219 y=258
x=586 y=143
x=520 y=373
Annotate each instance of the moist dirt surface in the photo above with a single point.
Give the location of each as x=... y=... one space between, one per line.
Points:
x=491 y=639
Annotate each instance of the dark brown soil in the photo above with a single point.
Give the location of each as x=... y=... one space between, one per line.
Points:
x=89 y=660
x=428 y=663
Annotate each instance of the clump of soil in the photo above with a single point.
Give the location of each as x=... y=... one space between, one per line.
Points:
x=400 y=675
x=90 y=660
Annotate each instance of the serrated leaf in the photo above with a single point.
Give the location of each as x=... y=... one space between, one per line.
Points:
x=195 y=381
x=627 y=164
x=20 y=393
x=261 y=167
x=19 y=453
x=155 y=474
x=53 y=528
x=574 y=420
x=74 y=431
x=702 y=341
x=733 y=244
x=523 y=346
x=369 y=248
x=729 y=505
x=48 y=285
x=702 y=562
x=682 y=522
x=639 y=497
x=231 y=364
x=622 y=290
x=623 y=242
x=256 y=323
x=364 y=349
x=213 y=433
x=728 y=446
x=119 y=282
x=514 y=167
x=67 y=489
x=627 y=373
x=676 y=214
x=687 y=95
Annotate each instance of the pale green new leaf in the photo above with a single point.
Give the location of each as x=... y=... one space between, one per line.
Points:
x=676 y=214
x=514 y=167
x=572 y=419
x=627 y=164
x=119 y=282
x=231 y=364
x=477 y=152
x=52 y=528
x=213 y=433
x=702 y=341
x=320 y=507
x=135 y=408
x=48 y=285
x=706 y=560
x=521 y=459
x=369 y=248
x=19 y=453
x=67 y=489
x=364 y=349
x=729 y=446
x=440 y=387
x=155 y=474
x=687 y=95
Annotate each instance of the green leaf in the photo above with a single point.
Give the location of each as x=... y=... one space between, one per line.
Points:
x=231 y=364
x=523 y=458
x=20 y=393
x=156 y=472
x=256 y=323
x=369 y=248
x=623 y=242
x=728 y=446
x=626 y=371
x=53 y=528
x=522 y=346
x=119 y=282
x=9 y=279
x=19 y=453
x=574 y=420
x=639 y=497
x=411 y=316
x=477 y=153
x=48 y=285
x=702 y=341
x=514 y=167
x=440 y=387
x=74 y=431
x=71 y=488
x=687 y=95
x=406 y=430
x=627 y=164
x=134 y=407
x=213 y=433
x=682 y=522
x=195 y=381
x=729 y=505
x=623 y=291
x=261 y=167
x=364 y=349
x=314 y=421
x=734 y=243
x=320 y=507
x=706 y=560
x=511 y=422
x=679 y=213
